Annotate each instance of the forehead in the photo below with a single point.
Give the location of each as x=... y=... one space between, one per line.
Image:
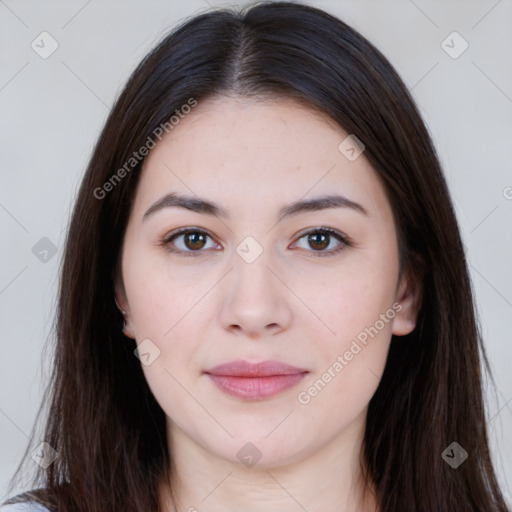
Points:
x=240 y=149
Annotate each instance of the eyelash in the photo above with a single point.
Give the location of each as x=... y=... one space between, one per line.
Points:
x=343 y=239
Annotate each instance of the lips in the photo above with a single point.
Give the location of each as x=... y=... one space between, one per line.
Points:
x=255 y=381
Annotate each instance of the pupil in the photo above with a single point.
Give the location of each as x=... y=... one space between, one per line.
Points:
x=321 y=240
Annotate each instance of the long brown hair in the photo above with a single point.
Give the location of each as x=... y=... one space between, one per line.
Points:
x=102 y=419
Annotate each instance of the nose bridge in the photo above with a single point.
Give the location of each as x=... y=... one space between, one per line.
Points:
x=251 y=262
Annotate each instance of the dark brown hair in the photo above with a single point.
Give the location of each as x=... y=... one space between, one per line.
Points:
x=102 y=418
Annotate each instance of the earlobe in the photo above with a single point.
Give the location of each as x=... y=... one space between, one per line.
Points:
x=410 y=297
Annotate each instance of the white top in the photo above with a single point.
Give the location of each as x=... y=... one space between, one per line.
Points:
x=24 y=507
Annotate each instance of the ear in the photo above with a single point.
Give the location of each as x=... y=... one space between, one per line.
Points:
x=410 y=297
x=120 y=298
x=122 y=304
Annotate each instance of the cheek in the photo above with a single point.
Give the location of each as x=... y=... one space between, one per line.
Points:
x=163 y=312
x=350 y=363
x=358 y=307
x=158 y=301
x=166 y=315
x=351 y=303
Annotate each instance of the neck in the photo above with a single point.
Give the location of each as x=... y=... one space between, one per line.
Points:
x=328 y=479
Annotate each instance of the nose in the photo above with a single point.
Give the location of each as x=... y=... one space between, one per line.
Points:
x=255 y=301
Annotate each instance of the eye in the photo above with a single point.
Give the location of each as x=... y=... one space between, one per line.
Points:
x=188 y=242
x=320 y=239
x=191 y=242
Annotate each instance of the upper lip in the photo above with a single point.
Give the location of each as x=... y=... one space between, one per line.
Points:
x=242 y=368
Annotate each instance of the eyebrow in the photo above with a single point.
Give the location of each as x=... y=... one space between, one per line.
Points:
x=199 y=205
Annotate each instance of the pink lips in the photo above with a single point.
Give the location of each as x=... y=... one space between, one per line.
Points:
x=251 y=381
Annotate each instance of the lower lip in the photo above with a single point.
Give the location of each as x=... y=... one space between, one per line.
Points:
x=256 y=388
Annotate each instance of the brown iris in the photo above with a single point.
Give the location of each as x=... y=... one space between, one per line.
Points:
x=194 y=240
x=318 y=240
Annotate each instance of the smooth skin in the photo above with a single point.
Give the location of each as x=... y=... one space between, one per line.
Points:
x=253 y=157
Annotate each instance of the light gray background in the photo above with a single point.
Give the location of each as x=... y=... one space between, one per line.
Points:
x=53 y=109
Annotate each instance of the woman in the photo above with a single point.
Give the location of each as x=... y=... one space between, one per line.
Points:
x=265 y=303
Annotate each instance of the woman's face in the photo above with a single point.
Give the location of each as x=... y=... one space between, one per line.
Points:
x=256 y=280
